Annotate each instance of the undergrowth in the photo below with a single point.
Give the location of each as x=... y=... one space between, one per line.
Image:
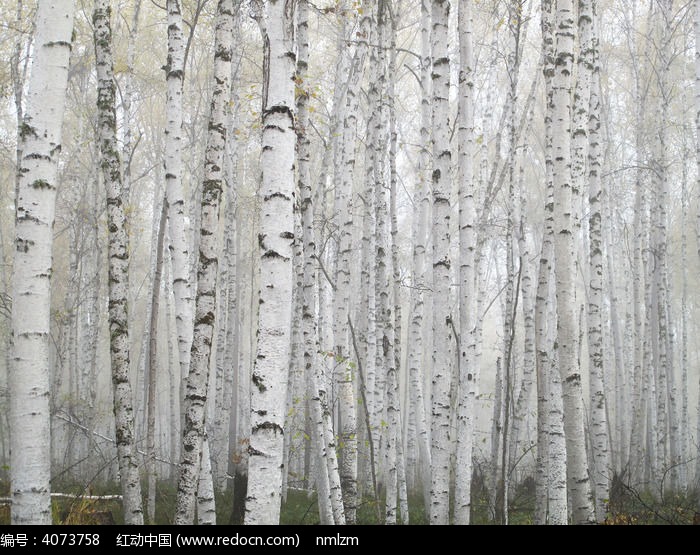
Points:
x=627 y=506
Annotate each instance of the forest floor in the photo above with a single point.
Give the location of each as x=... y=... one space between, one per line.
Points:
x=627 y=507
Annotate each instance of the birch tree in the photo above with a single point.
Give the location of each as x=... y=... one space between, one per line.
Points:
x=442 y=318
x=467 y=240
x=636 y=451
x=341 y=300
x=393 y=393
x=550 y=476
x=228 y=336
x=393 y=398
x=696 y=29
x=328 y=478
x=39 y=143
x=197 y=385
x=501 y=486
x=178 y=221
x=368 y=316
x=152 y=365
x=269 y=378
x=598 y=410
x=385 y=319
x=684 y=415
x=118 y=252
x=667 y=418
x=564 y=251
x=127 y=104
x=421 y=216
x=239 y=422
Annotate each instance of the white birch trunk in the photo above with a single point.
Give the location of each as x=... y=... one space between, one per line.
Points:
x=127 y=103
x=69 y=351
x=378 y=123
x=546 y=490
x=443 y=340
x=152 y=364
x=543 y=486
x=197 y=385
x=309 y=331
x=522 y=425
x=39 y=143
x=401 y=476
x=327 y=479
x=650 y=366
x=667 y=432
x=239 y=424
x=118 y=266
x=238 y=463
x=550 y=485
x=206 y=506
x=580 y=109
x=637 y=454
x=395 y=413
x=551 y=492
x=227 y=314
x=696 y=29
x=173 y=377
x=334 y=479
x=564 y=251
x=7 y=354
x=367 y=323
x=374 y=152
x=419 y=285
x=522 y=410
x=321 y=452
x=497 y=412
x=636 y=451
x=227 y=339
x=296 y=414
x=600 y=441
x=558 y=495
x=341 y=301
x=365 y=318
x=522 y=439
x=324 y=420
x=501 y=486
x=684 y=415
x=385 y=388
x=467 y=241
x=178 y=220
x=619 y=446
x=394 y=408
x=276 y=238
x=318 y=469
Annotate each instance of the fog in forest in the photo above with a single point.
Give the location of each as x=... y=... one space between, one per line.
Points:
x=349 y=262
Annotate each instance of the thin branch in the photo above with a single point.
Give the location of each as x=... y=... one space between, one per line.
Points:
x=8 y=500
x=109 y=439
x=325 y=273
x=409 y=68
x=483 y=314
